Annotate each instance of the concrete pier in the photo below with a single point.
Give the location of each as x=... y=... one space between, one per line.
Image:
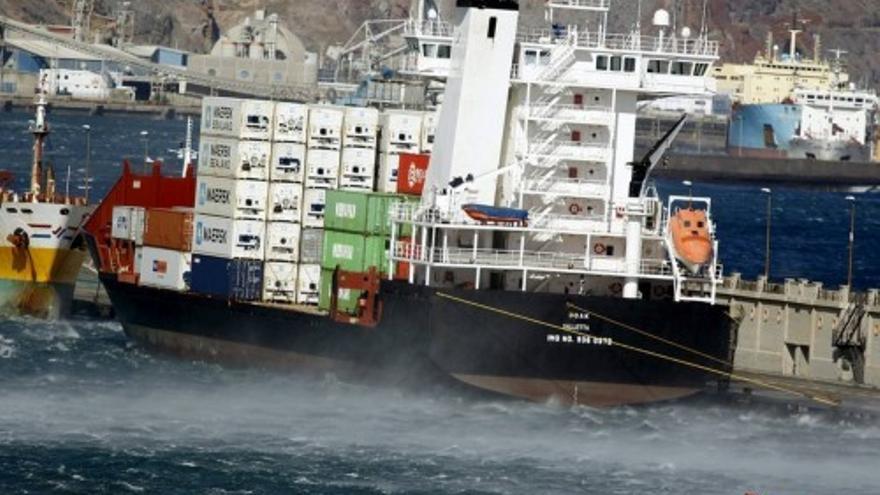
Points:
x=800 y=329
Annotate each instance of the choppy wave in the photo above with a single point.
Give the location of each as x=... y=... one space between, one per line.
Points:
x=82 y=410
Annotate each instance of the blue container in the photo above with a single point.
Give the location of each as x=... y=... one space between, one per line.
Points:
x=238 y=280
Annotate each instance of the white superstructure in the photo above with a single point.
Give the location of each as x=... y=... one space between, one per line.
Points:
x=563 y=154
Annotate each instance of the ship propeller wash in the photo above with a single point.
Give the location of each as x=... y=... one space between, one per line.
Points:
x=532 y=258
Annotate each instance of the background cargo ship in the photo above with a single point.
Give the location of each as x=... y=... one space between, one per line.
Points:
x=791 y=105
x=536 y=263
x=41 y=247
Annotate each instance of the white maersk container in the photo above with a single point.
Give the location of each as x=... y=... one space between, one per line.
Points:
x=429 y=130
x=325 y=127
x=224 y=157
x=285 y=200
x=128 y=224
x=164 y=268
x=288 y=162
x=237 y=118
x=311 y=246
x=361 y=127
x=228 y=238
x=314 y=201
x=239 y=199
x=279 y=282
x=308 y=284
x=401 y=131
x=322 y=169
x=358 y=169
x=386 y=178
x=291 y=122
x=282 y=241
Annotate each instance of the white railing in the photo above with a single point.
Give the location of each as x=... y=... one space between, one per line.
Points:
x=573 y=150
x=438 y=29
x=571 y=113
x=624 y=42
x=580 y=4
x=566 y=186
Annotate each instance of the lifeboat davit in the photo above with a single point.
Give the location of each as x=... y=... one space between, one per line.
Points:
x=689 y=233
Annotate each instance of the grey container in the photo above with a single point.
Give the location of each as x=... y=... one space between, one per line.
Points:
x=311 y=247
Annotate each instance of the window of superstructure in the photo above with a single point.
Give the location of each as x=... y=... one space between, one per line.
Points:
x=544 y=57
x=616 y=63
x=682 y=68
x=444 y=51
x=658 y=66
x=602 y=62
x=700 y=69
x=629 y=64
x=493 y=25
x=531 y=57
x=429 y=50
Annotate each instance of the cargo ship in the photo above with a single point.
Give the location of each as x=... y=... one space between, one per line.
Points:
x=41 y=243
x=515 y=248
x=789 y=105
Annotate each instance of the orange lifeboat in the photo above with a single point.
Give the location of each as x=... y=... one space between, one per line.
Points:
x=689 y=232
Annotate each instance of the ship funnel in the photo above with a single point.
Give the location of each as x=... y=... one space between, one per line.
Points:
x=470 y=128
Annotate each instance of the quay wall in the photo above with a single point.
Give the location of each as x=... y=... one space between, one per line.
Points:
x=789 y=329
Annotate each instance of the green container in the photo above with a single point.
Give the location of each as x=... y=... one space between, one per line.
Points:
x=345 y=250
x=379 y=210
x=377 y=249
x=347 y=300
x=346 y=211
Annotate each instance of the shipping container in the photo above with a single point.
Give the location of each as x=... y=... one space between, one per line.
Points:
x=291 y=122
x=358 y=162
x=344 y=250
x=322 y=169
x=401 y=131
x=308 y=284
x=282 y=241
x=169 y=228
x=380 y=211
x=279 y=282
x=325 y=127
x=314 y=201
x=357 y=184
x=386 y=174
x=429 y=130
x=361 y=127
x=128 y=223
x=346 y=211
x=239 y=199
x=311 y=246
x=411 y=173
x=346 y=299
x=355 y=252
x=165 y=268
x=231 y=279
x=285 y=201
x=227 y=238
x=237 y=118
x=288 y=162
x=223 y=157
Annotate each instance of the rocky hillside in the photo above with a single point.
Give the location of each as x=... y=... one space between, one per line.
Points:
x=741 y=25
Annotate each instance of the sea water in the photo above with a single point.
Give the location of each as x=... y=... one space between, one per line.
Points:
x=82 y=410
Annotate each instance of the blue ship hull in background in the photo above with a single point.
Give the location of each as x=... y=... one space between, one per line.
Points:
x=763 y=130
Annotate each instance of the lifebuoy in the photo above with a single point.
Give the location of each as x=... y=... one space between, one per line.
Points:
x=574 y=208
x=615 y=288
x=599 y=248
x=620 y=211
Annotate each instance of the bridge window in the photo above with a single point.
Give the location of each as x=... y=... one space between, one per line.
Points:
x=658 y=66
x=602 y=62
x=682 y=68
x=629 y=64
x=701 y=69
x=444 y=51
x=429 y=50
x=615 y=64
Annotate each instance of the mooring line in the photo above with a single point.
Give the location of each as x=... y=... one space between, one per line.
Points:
x=771 y=386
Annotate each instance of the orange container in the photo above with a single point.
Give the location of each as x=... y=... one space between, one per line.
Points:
x=411 y=173
x=169 y=228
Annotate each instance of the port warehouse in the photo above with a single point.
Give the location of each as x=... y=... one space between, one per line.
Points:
x=25 y=53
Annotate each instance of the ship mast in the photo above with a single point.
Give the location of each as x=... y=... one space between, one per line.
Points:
x=40 y=130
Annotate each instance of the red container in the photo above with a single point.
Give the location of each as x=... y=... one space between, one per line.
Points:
x=169 y=228
x=401 y=268
x=411 y=173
